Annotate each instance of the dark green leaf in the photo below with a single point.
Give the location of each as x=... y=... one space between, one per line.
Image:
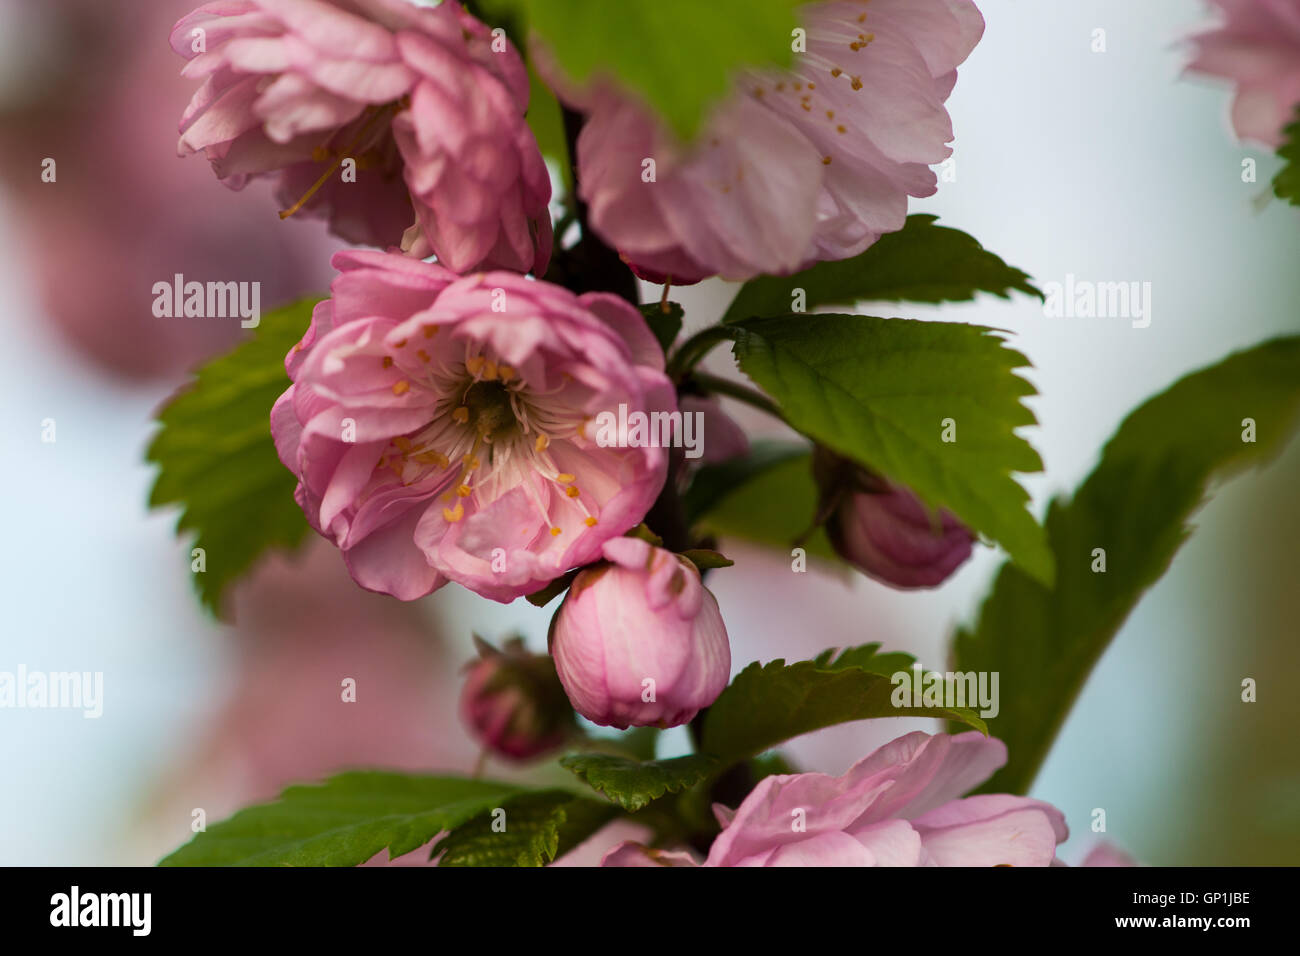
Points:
x=767 y=704
x=633 y=784
x=342 y=822
x=923 y=262
x=879 y=391
x=218 y=462
x=706 y=559
x=1287 y=182
x=767 y=498
x=534 y=829
x=665 y=325
x=1154 y=473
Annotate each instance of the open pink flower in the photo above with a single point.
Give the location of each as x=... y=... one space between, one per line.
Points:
x=900 y=806
x=426 y=102
x=810 y=164
x=439 y=426
x=1257 y=48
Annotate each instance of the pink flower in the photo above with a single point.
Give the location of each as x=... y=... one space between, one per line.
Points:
x=900 y=806
x=418 y=97
x=438 y=426
x=513 y=703
x=815 y=163
x=1257 y=48
x=891 y=536
x=640 y=641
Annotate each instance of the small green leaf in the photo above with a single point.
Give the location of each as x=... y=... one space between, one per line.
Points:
x=218 y=462
x=767 y=704
x=887 y=393
x=546 y=595
x=633 y=784
x=342 y=822
x=1153 y=474
x=679 y=55
x=1287 y=182
x=766 y=497
x=922 y=262
x=665 y=325
x=707 y=560
x=534 y=829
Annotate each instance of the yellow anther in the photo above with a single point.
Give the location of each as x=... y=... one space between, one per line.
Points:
x=591 y=522
x=826 y=160
x=424 y=356
x=474 y=365
x=388 y=361
x=490 y=371
x=402 y=442
x=564 y=477
x=454 y=514
x=464 y=491
x=571 y=491
x=856 y=82
x=555 y=532
x=541 y=443
x=461 y=414
x=470 y=462
x=430 y=331
x=505 y=373
x=402 y=387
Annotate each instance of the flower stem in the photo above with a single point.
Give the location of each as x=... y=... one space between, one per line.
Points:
x=694 y=349
x=742 y=393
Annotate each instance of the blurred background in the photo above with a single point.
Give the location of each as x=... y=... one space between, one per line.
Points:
x=1109 y=165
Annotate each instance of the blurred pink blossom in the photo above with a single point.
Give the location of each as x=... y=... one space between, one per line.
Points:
x=1257 y=48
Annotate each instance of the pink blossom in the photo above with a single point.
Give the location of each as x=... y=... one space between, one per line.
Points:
x=439 y=426
x=900 y=806
x=810 y=164
x=418 y=97
x=1257 y=48
x=640 y=641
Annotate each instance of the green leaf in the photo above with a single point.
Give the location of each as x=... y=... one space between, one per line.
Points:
x=665 y=325
x=706 y=559
x=538 y=827
x=632 y=784
x=879 y=391
x=342 y=822
x=218 y=462
x=1153 y=474
x=679 y=55
x=1287 y=182
x=766 y=497
x=923 y=262
x=767 y=704
x=547 y=123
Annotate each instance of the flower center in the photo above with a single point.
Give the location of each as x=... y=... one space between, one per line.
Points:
x=493 y=430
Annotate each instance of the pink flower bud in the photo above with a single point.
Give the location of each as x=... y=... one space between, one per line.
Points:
x=639 y=641
x=512 y=702
x=884 y=530
x=889 y=535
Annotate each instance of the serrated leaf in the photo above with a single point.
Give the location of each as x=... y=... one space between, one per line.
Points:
x=218 y=462
x=342 y=822
x=665 y=325
x=1153 y=474
x=922 y=262
x=633 y=784
x=680 y=56
x=766 y=497
x=878 y=391
x=1286 y=184
x=538 y=827
x=767 y=704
